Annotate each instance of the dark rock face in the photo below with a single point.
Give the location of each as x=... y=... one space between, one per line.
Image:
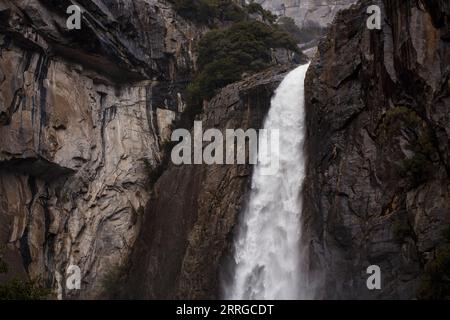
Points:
x=106 y=42
x=378 y=124
x=188 y=226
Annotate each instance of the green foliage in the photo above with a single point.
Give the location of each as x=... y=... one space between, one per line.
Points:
x=268 y=16
x=3 y=266
x=214 y=75
x=446 y=234
x=288 y=24
x=209 y=11
x=309 y=32
x=232 y=12
x=401 y=230
x=16 y=289
x=421 y=144
x=184 y=71
x=398 y=117
x=112 y=279
x=206 y=11
x=224 y=55
x=196 y=10
x=415 y=167
x=436 y=282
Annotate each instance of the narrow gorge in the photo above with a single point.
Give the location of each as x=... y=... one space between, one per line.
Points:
x=87 y=181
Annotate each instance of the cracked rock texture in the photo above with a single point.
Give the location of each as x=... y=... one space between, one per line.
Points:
x=305 y=12
x=378 y=122
x=85 y=117
x=83 y=114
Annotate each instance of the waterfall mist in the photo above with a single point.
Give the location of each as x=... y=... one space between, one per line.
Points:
x=267 y=249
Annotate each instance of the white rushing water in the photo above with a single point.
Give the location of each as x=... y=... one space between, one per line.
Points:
x=267 y=248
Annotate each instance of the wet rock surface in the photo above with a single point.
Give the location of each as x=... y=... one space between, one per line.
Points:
x=378 y=122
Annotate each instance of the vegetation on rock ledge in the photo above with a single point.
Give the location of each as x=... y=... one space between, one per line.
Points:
x=16 y=289
x=436 y=282
x=210 y=11
x=309 y=32
x=404 y=121
x=240 y=42
x=226 y=54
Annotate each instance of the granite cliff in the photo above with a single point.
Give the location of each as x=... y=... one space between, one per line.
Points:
x=378 y=121
x=83 y=115
x=85 y=180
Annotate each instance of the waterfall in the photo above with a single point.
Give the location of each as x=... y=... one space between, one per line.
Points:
x=267 y=248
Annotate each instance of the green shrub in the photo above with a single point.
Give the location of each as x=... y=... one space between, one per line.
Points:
x=215 y=74
x=197 y=10
x=288 y=24
x=224 y=55
x=232 y=12
x=401 y=230
x=16 y=289
x=399 y=117
x=254 y=7
x=3 y=264
x=112 y=279
x=420 y=141
x=446 y=234
x=207 y=11
x=436 y=281
x=417 y=167
x=311 y=31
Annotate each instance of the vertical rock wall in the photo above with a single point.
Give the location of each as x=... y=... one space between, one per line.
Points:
x=378 y=114
x=304 y=12
x=83 y=115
